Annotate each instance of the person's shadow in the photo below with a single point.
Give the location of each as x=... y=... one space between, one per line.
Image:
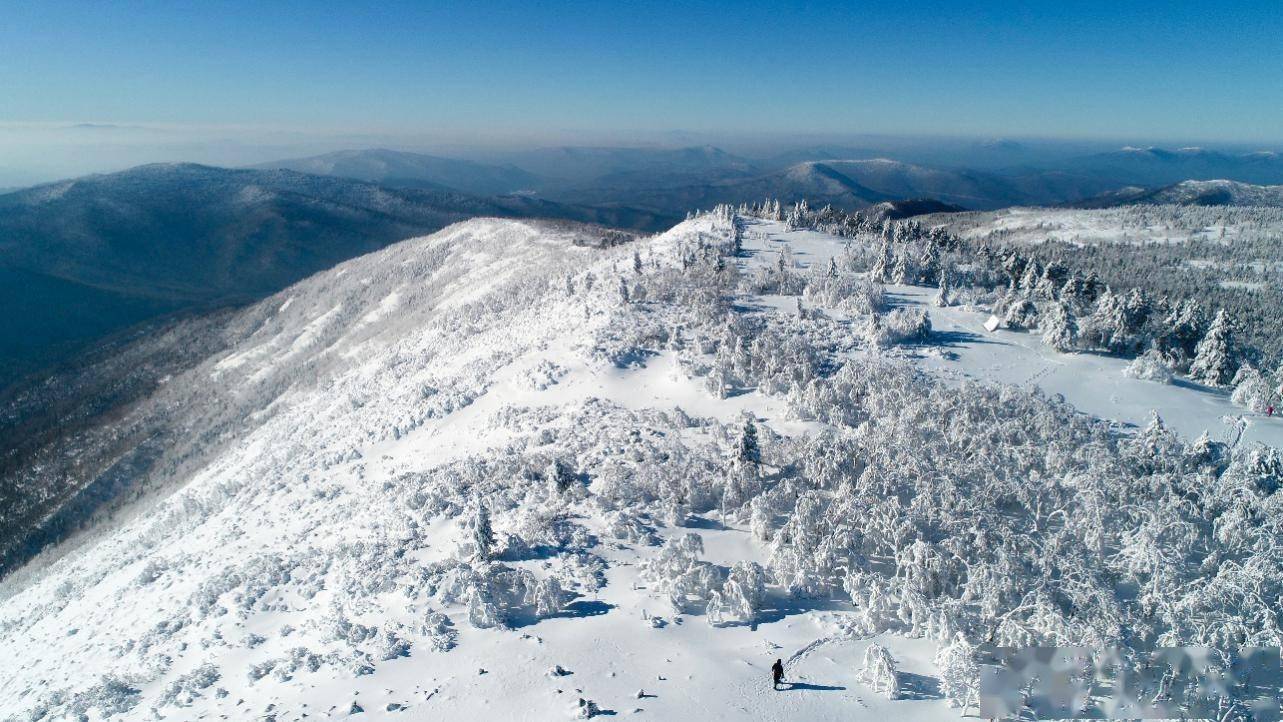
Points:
x=806 y=686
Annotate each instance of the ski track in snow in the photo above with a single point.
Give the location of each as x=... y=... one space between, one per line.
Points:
x=688 y=670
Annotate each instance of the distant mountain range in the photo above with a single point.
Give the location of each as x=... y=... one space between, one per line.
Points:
x=83 y=258
x=674 y=180
x=850 y=185
x=1151 y=167
x=414 y=170
x=1192 y=193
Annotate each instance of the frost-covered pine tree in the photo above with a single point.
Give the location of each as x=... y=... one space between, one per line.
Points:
x=943 y=298
x=482 y=534
x=637 y=262
x=1029 y=279
x=1021 y=314
x=1104 y=325
x=929 y=265
x=748 y=452
x=879 y=671
x=560 y=477
x=1076 y=296
x=900 y=271
x=1182 y=329
x=1216 y=359
x=1045 y=289
x=881 y=271
x=1059 y=330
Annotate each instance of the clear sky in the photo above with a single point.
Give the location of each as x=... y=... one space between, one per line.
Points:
x=1161 y=70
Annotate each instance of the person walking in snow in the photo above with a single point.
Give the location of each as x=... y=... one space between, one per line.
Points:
x=1269 y=411
x=777 y=673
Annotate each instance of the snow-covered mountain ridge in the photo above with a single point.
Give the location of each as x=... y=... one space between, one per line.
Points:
x=498 y=470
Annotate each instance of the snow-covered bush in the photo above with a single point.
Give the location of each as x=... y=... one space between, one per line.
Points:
x=902 y=325
x=1149 y=366
x=908 y=324
x=497 y=595
x=1020 y=314
x=1252 y=391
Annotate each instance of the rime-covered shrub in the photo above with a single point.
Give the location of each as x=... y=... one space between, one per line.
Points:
x=631 y=528
x=741 y=597
x=902 y=325
x=959 y=673
x=687 y=582
x=1020 y=314
x=112 y=695
x=1149 y=366
x=439 y=632
x=190 y=685
x=879 y=673
x=1252 y=391
x=499 y=596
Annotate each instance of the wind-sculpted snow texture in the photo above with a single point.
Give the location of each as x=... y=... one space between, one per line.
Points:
x=503 y=472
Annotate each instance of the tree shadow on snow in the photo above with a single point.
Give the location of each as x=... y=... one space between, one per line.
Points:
x=808 y=687
x=918 y=686
x=700 y=522
x=583 y=608
x=635 y=358
x=957 y=339
x=780 y=606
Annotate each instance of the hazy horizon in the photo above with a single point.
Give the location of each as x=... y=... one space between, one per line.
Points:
x=33 y=153
x=93 y=88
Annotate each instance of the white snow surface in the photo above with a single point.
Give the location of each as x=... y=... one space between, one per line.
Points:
x=447 y=348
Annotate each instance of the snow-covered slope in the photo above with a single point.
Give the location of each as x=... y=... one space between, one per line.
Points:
x=496 y=471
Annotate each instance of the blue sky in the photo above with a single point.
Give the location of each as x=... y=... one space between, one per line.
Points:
x=1162 y=70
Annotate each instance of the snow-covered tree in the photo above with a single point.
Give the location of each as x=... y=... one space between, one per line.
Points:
x=1059 y=330
x=1216 y=358
x=929 y=265
x=879 y=671
x=959 y=673
x=1076 y=295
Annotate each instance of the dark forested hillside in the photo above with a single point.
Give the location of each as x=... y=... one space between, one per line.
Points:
x=82 y=258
